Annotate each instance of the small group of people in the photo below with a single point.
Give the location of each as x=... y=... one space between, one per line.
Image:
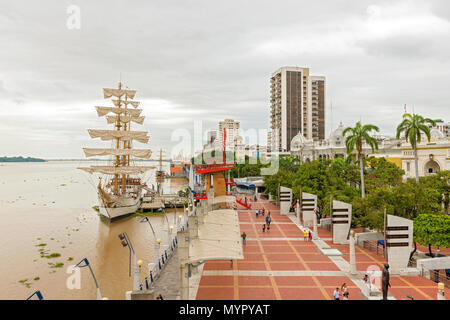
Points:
x=260 y=212
x=267 y=224
x=307 y=235
x=343 y=291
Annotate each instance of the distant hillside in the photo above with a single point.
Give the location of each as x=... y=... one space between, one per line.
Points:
x=20 y=159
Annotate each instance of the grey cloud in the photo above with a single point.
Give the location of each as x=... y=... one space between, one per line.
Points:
x=203 y=58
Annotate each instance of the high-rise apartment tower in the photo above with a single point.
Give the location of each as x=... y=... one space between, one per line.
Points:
x=297 y=104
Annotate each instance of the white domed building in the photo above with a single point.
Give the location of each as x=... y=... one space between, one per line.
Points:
x=433 y=155
x=334 y=147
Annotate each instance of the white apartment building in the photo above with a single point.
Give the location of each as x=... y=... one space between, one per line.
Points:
x=297 y=105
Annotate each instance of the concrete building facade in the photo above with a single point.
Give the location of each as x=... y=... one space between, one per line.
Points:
x=297 y=105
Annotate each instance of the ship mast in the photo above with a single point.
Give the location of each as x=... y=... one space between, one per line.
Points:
x=120 y=116
x=116 y=176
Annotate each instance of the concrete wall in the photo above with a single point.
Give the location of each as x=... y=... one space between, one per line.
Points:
x=285 y=200
x=341 y=219
x=434 y=263
x=366 y=236
x=399 y=238
x=309 y=202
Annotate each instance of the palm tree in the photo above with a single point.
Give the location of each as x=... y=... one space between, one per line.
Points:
x=412 y=126
x=355 y=141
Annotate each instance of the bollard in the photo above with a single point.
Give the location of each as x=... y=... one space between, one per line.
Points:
x=146 y=283
x=162 y=259
x=165 y=251
x=441 y=294
x=151 y=277
x=159 y=264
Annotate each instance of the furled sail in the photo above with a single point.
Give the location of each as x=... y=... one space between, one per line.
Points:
x=140 y=136
x=101 y=111
x=108 y=93
x=126 y=102
x=139 y=153
x=125 y=119
x=117 y=170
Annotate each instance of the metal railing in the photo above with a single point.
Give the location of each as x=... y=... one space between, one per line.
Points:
x=372 y=245
x=440 y=276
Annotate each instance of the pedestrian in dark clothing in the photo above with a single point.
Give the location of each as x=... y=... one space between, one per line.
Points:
x=244 y=238
x=309 y=235
x=267 y=220
x=160 y=297
x=264 y=228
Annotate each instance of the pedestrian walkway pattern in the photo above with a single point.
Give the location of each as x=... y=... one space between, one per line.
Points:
x=280 y=265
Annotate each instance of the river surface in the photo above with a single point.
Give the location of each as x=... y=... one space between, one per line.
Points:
x=49 y=206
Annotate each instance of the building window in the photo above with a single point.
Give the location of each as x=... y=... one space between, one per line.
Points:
x=408 y=166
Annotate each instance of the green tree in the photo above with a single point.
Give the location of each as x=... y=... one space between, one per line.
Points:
x=412 y=127
x=354 y=142
x=441 y=183
x=432 y=230
x=381 y=172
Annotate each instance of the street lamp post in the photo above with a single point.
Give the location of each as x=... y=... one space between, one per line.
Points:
x=85 y=263
x=352 y=253
x=172 y=244
x=156 y=244
x=36 y=294
x=126 y=242
x=168 y=230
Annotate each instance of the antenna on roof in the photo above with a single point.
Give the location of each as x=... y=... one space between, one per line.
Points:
x=331 y=116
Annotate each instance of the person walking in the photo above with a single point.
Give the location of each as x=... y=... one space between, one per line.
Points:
x=264 y=228
x=309 y=235
x=256 y=211
x=267 y=220
x=336 y=294
x=344 y=288
x=244 y=238
x=305 y=235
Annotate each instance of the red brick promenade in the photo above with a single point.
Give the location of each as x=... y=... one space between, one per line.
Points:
x=279 y=265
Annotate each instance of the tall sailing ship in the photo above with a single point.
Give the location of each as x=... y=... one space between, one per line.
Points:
x=120 y=186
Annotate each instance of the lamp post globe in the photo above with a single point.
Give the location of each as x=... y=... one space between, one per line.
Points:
x=140 y=263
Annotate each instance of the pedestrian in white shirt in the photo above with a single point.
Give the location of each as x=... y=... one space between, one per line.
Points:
x=336 y=294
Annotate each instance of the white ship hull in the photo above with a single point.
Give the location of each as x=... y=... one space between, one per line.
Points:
x=113 y=213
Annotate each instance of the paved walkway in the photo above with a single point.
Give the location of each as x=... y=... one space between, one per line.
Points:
x=168 y=283
x=279 y=265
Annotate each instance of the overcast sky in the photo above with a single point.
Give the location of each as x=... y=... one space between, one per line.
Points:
x=210 y=60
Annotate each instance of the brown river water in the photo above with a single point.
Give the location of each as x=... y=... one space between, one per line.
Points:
x=51 y=203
